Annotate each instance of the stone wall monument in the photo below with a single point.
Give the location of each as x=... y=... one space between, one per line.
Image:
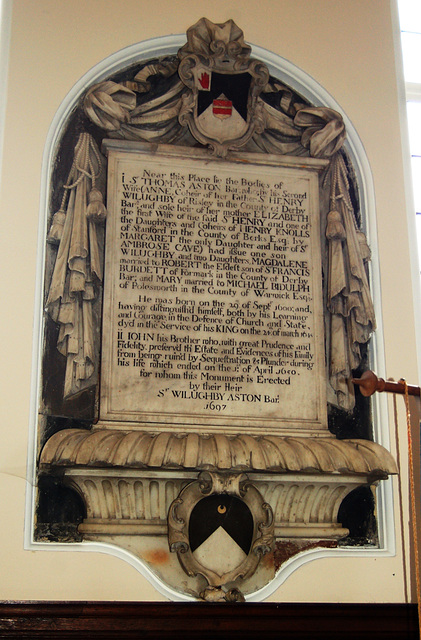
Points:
x=204 y=312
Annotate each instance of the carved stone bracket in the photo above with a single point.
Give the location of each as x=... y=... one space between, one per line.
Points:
x=138 y=501
x=139 y=488
x=131 y=478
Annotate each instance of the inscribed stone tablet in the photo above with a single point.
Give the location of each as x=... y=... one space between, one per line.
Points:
x=213 y=297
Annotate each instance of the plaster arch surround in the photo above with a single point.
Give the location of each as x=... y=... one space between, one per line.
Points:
x=309 y=89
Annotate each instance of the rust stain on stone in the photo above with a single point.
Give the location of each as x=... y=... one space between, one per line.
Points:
x=157 y=556
x=285 y=549
x=268 y=560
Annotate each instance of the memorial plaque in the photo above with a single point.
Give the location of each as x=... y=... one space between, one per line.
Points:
x=213 y=292
x=196 y=317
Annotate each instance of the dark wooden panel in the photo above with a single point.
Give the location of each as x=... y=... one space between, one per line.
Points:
x=208 y=621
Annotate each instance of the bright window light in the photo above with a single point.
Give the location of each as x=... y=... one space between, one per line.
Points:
x=411 y=51
x=410 y=23
x=410 y=15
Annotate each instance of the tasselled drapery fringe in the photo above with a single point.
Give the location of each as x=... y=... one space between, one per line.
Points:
x=78 y=265
x=348 y=298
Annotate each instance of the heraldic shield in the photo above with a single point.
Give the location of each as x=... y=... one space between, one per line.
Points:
x=220 y=527
x=222 y=107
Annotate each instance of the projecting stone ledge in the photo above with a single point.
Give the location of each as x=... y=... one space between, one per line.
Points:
x=217 y=452
x=129 y=479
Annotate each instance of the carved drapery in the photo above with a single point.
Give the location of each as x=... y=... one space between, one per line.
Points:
x=349 y=301
x=78 y=270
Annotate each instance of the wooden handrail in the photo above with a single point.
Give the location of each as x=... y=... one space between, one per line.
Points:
x=369 y=383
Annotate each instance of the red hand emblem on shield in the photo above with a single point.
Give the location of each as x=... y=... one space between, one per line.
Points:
x=204 y=81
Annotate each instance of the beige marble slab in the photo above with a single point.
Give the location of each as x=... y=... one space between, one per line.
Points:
x=213 y=292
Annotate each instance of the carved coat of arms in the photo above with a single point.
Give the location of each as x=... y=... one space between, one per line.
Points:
x=221 y=109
